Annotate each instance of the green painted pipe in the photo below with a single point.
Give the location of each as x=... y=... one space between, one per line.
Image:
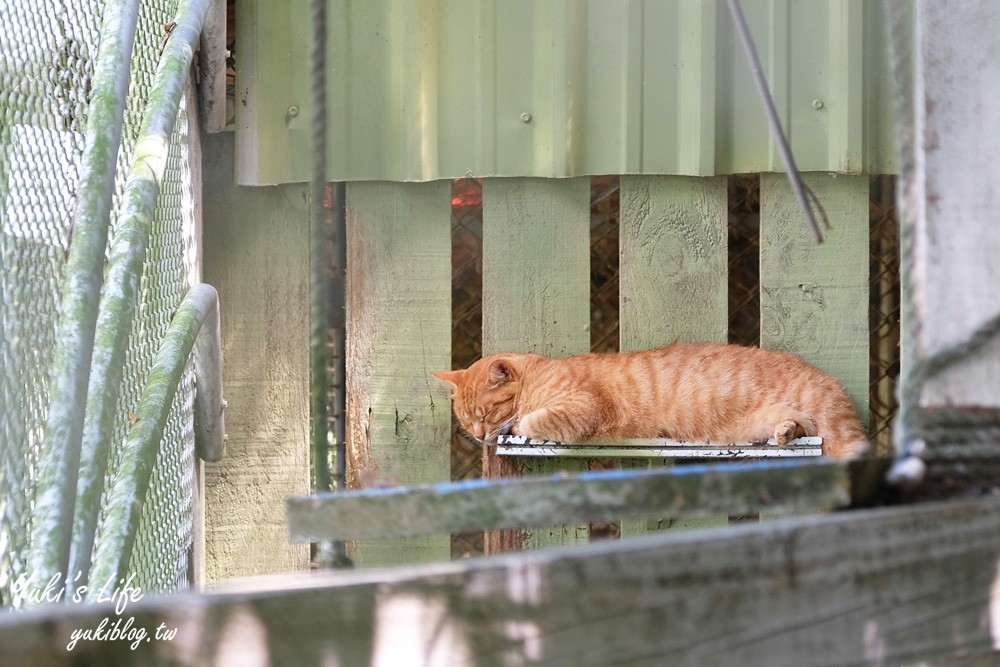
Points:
x=126 y=495
x=128 y=253
x=84 y=272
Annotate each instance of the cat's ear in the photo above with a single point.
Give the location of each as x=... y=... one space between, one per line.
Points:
x=500 y=372
x=450 y=378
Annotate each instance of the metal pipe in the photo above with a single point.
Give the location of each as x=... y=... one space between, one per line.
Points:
x=59 y=461
x=338 y=325
x=125 y=497
x=338 y=308
x=209 y=405
x=128 y=253
x=319 y=242
x=328 y=298
x=753 y=60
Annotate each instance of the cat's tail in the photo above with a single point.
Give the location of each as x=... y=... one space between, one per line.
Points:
x=847 y=442
x=843 y=437
x=858 y=449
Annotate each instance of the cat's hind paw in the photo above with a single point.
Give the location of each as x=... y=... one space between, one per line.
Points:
x=785 y=432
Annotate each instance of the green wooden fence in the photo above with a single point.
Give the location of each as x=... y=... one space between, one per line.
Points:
x=535 y=298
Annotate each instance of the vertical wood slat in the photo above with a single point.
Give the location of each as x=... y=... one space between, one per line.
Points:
x=399 y=330
x=673 y=268
x=814 y=297
x=256 y=254
x=536 y=298
x=952 y=201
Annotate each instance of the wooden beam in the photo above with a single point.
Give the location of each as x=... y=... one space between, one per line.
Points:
x=814 y=297
x=674 y=269
x=256 y=250
x=953 y=190
x=604 y=495
x=536 y=298
x=399 y=330
x=847 y=588
x=212 y=69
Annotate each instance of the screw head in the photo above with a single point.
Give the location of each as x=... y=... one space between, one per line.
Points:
x=525 y=117
x=293 y=111
x=818 y=104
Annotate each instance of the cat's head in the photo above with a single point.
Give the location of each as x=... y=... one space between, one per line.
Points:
x=484 y=395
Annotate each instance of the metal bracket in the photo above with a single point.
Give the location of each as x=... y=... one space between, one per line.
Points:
x=519 y=445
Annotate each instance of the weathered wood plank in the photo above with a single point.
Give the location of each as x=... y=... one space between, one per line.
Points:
x=953 y=194
x=256 y=254
x=536 y=298
x=674 y=265
x=604 y=495
x=399 y=324
x=863 y=587
x=673 y=268
x=814 y=297
x=536 y=265
x=212 y=69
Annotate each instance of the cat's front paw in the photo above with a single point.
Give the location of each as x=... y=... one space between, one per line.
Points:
x=531 y=426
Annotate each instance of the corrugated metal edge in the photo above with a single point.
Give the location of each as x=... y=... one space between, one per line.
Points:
x=481 y=89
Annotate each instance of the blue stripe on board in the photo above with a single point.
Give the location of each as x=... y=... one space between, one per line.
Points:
x=595 y=475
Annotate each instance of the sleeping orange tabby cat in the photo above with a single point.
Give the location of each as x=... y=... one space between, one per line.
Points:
x=686 y=391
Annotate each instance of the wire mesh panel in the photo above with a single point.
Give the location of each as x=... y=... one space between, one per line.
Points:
x=47 y=56
x=884 y=310
x=169 y=271
x=744 y=259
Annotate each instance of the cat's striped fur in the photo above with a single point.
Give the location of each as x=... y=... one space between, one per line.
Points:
x=687 y=391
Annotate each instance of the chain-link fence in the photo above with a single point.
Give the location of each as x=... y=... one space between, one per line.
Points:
x=883 y=322
x=744 y=295
x=47 y=55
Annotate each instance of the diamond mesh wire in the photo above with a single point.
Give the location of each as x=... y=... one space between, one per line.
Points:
x=165 y=528
x=744 y=259
x=604 y=225
x=47 y=56
x=467 y=325
x=884 y=311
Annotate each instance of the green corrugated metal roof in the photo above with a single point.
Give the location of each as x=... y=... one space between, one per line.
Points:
x=425 y=89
